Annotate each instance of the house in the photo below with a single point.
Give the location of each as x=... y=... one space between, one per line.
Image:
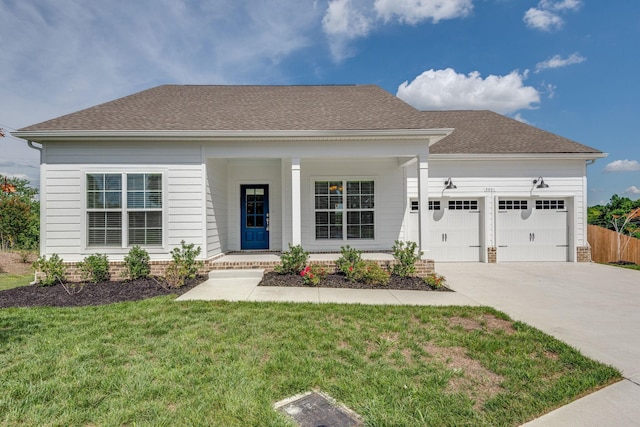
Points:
x=256 y=168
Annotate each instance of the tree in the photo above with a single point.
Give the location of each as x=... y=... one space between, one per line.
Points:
x=620 y=223
x=19 y=214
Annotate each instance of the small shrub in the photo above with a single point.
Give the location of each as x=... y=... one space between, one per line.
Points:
x=52 y=268
x=95 y=268
x=313 y=274
x=435 y=280
x=174 y=276
x=292 y=261
x=24 y=255
x=351 y=264
x=406 y=256
x=136 y=264
x=185 y=258
x=375 y=275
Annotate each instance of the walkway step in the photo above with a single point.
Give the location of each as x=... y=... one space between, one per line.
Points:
x=236 y=274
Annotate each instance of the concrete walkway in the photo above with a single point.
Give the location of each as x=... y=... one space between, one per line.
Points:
x=242 y=285
x=592 y=307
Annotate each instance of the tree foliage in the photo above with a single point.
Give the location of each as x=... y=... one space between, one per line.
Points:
x=19 y=215
x=614 y=214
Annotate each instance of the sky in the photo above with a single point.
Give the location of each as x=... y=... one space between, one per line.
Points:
x=567 y=66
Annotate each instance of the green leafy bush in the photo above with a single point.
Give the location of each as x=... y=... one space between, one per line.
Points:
x=52 y=268
x=375 y=275
x=95 y=268
x=292 y=261
x=406 y=255
x=435 y=280
x=136 y=264
x=351 y=264
x=313 y=274
x=185 y=259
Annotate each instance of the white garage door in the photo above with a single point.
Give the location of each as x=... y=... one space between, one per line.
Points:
x=532 y=230
x=454 y=230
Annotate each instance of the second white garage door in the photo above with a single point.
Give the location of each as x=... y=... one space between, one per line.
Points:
x=454 y=230
x=532 y=230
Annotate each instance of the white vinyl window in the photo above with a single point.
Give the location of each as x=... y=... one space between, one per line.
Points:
x=344 y=210
x=108 y=209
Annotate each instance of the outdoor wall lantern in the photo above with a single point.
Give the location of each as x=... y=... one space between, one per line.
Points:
x=540 y=182
x=448 y=184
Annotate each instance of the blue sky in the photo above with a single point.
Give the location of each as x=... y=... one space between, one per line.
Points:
x=566 y=66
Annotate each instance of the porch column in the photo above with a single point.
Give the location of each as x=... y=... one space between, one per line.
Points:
x=296 y=219
x=423 y=200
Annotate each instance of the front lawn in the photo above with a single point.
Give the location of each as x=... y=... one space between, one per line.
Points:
x=160 y=362
x=10 y=281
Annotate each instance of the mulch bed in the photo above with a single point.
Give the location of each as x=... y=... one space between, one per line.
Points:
x=119 y=291
x=340 y=281
x=91 y=293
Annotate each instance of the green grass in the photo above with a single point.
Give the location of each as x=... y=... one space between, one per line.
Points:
x=158 y=362
x=8 y=281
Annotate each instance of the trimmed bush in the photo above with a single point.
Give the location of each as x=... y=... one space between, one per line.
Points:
x=406 y=255
x=292 y=261
x=435 y=280
x=375 y=275
x=313 y=274
x=185 y=259
x=52 y=268
x=136 y=264
x=94 y=268
x=351 y=264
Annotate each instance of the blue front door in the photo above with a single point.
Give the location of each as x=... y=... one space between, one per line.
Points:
x=254 y=208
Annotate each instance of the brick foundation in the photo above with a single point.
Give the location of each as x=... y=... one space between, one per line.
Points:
x=424 y=267
x=492 y=254
x=584 y=254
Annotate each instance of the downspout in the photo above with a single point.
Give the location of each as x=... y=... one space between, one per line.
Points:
x=30 y=144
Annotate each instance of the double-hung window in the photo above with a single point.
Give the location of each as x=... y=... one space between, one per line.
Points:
x=344 y=209
x=132 y=199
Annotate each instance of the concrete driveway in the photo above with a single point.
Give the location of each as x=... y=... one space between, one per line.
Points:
x=593 y=307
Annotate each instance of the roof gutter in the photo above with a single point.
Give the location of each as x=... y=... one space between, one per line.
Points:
x=517 y=156
x=70 y=135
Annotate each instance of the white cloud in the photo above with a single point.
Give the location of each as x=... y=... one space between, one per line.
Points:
x=343 y=22
x=446 y=89
x=546 y=16
x=622 y=166
x=560 y=5
x=558 y=61
x=521 y=119
x=632 y=190
x=14 y=175
x=346 y=20
x=414 y=11
x=542 y=19
x=65 y=56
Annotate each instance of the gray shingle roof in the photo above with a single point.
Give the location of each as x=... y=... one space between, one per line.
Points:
x=176 y=107
x=266 y=108
x=483 y=131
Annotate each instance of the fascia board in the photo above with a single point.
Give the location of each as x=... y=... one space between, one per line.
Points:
x=517 y=156
x=67 y=135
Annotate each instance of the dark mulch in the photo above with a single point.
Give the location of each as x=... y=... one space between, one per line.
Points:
x=340 y=281
x=91 y=293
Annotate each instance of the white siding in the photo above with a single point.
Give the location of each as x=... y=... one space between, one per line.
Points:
x=389 y=199
x=63 y=194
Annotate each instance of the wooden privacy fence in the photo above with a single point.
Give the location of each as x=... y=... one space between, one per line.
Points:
x=604 y=245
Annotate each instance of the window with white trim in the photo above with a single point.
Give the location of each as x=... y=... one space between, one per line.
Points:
x=108 y=210
x=344 y=209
